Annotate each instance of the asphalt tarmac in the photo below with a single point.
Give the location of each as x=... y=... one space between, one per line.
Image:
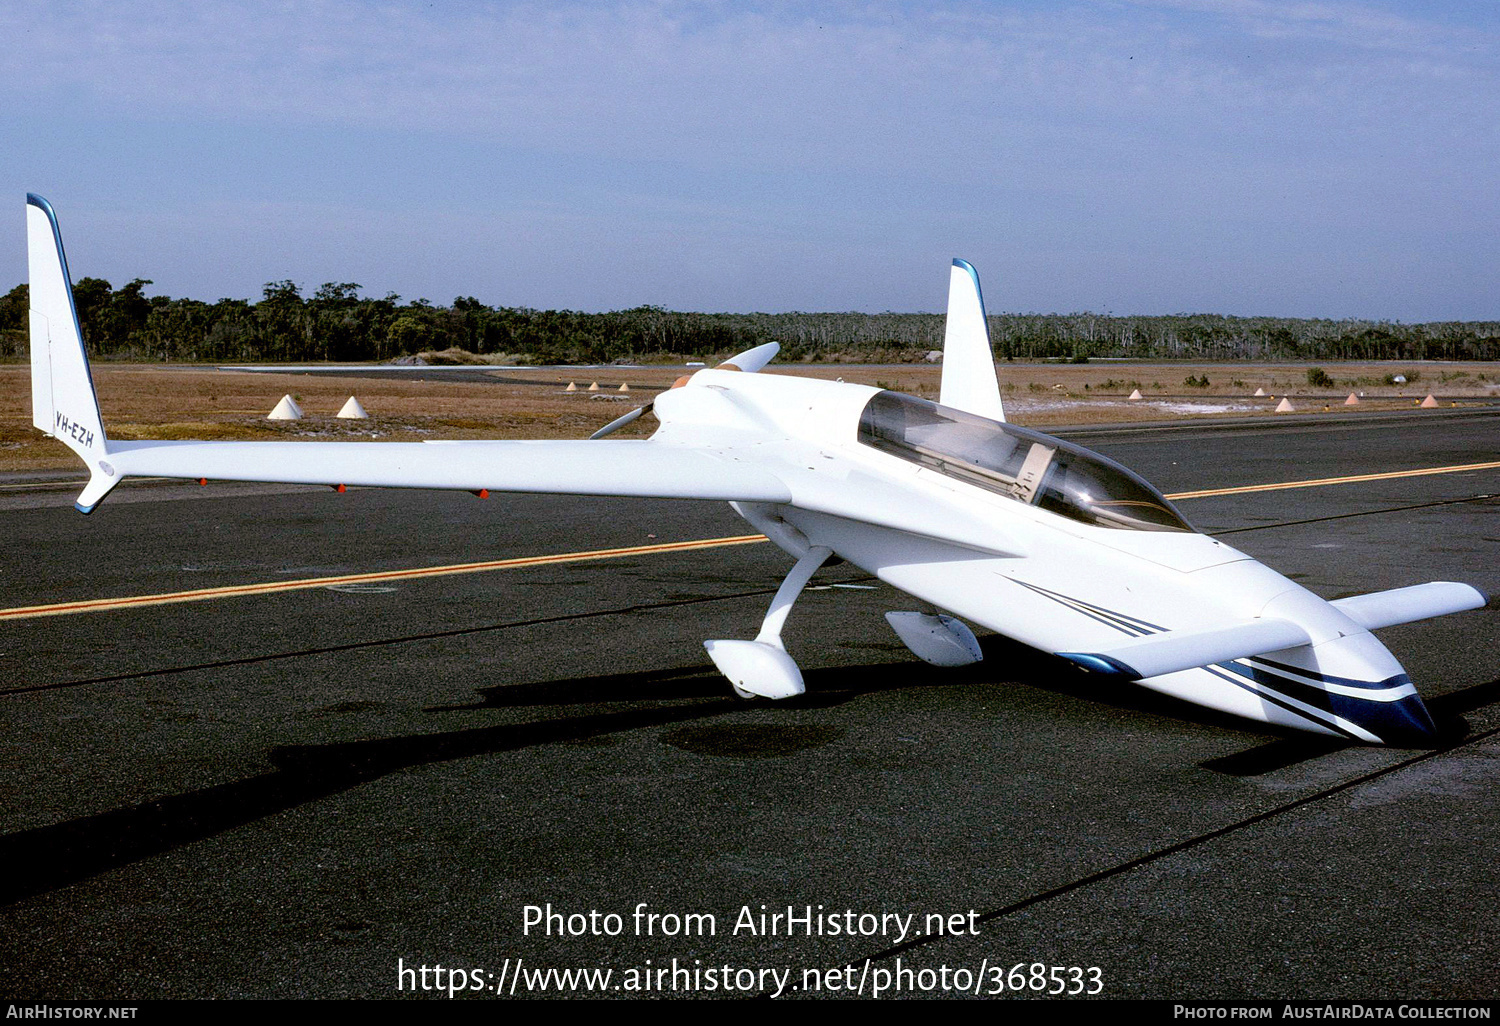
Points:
x=321 y=792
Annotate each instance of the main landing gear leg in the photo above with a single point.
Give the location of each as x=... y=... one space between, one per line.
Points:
x=762 y=667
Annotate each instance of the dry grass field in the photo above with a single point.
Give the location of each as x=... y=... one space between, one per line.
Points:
x=178 y=402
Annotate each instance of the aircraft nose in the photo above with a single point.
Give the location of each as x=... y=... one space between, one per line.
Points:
x=1369 y=687
x=1358 y=682
x=1405 y=723
x=1366 y=686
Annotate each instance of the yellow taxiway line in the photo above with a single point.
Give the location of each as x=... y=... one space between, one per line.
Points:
x=1320 y=482
x=202 y=594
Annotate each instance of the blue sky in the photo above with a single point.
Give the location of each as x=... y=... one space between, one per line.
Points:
x=1332 y=159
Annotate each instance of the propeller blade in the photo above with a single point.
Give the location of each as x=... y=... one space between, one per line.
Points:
x=620 y=422
x=750 y=361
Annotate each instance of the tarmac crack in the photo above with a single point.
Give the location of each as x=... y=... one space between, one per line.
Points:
x=1359 y=513
x=1177 y=848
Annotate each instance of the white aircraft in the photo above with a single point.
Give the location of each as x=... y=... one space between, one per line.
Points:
x=1028 y=535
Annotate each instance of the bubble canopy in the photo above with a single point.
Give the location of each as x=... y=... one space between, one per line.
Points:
x=1016 y=462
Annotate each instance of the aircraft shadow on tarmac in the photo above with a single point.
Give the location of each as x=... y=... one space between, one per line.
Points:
x=833 y=686
x=46 y=858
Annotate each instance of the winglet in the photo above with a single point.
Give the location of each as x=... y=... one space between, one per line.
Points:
x=63 y=403
x=969 y=381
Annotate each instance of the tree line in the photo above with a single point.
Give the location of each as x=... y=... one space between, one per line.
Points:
x=337 y=323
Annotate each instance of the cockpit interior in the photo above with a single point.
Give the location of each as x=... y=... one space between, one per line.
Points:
x=1016 y=462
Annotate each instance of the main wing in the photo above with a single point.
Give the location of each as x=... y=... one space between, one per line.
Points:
x=630 y=468
x=65 y=406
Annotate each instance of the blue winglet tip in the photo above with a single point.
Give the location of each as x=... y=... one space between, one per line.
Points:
x=1094 y=662
x=973 y=276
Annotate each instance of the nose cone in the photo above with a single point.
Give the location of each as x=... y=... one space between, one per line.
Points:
x=1368 y=687
x=1404 y=723
x=1354 y=686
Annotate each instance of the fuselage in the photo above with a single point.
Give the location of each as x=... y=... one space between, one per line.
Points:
x=970 y=516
